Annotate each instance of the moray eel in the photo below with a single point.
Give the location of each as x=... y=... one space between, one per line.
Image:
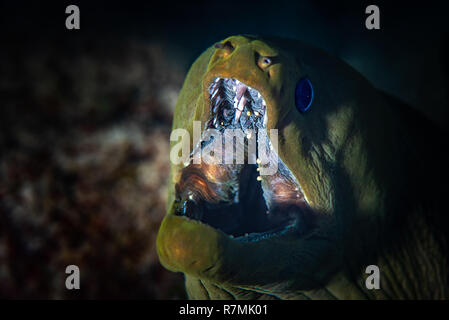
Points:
x=358 y=183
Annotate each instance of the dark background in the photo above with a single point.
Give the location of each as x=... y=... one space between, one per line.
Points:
x=85 y=118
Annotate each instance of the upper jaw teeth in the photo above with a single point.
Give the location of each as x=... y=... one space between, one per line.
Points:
x=239 y=104
x=230 y=97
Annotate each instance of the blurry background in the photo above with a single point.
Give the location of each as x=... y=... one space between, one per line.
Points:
x=85 y=120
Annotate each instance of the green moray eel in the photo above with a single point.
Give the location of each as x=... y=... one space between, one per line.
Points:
x=365 y=168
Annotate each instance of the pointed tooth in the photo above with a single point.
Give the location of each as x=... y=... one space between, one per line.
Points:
x=216 y=106
x=240 y=91
x=236 y=102
x=214 y=93
x=213 y=86
x=237 y=115
x=242 y=103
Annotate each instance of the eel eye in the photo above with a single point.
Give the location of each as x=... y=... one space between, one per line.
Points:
x=264 y=62
x=303 y=95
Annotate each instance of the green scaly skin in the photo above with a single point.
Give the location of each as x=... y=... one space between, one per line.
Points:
x=362 y=161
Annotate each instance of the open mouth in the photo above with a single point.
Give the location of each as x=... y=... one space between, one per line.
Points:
x=236 y=197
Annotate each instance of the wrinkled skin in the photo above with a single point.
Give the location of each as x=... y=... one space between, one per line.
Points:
x=362 y=159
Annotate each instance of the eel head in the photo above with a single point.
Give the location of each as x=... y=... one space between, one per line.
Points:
x=238 y=229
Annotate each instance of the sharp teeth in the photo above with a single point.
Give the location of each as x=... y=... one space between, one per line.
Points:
x=217 y=105
x=237 y=115
x=224 y=92
x=241 y=104
x=214 y=93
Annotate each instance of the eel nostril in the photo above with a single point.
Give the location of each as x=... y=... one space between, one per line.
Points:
x=227 y=47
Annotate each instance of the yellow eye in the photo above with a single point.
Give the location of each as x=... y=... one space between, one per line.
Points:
x=264 y=62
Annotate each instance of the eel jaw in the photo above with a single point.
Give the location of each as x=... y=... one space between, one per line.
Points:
x=234 y=198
